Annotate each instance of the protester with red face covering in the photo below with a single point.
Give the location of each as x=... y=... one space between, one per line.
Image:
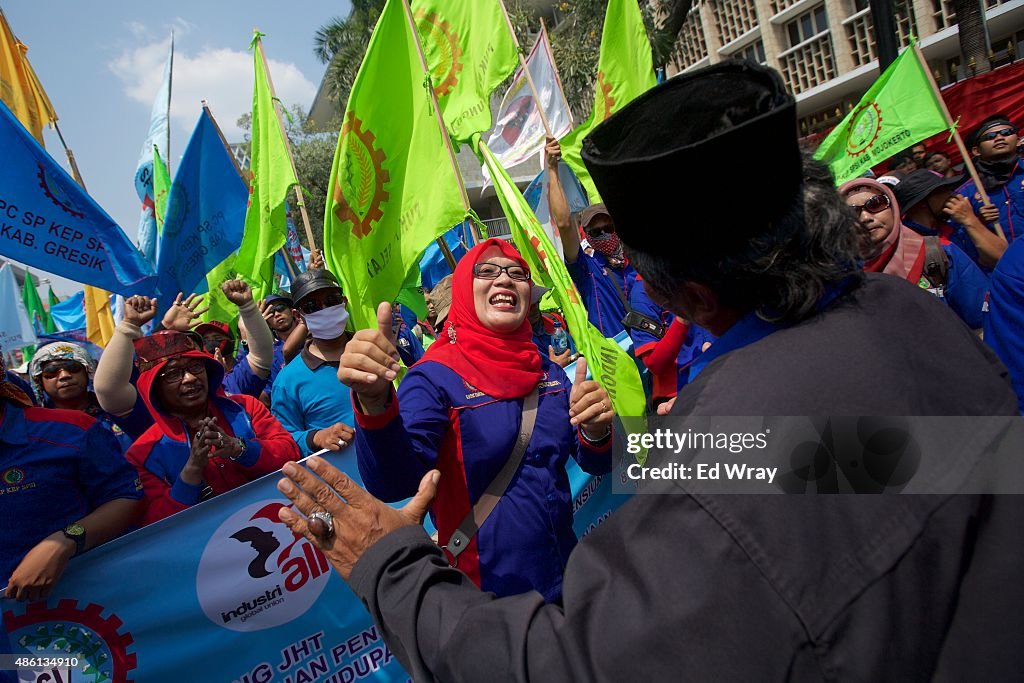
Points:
x=459 y=410
x=940 y=267
x=203 y=442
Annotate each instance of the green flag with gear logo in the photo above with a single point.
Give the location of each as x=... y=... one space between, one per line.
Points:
x=393 y=188
x=899 y=110
x=610 y=365
x=271 y=175
x=625 y=69
x=469 y=52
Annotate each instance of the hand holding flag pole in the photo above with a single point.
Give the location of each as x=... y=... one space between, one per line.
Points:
x=955 y=133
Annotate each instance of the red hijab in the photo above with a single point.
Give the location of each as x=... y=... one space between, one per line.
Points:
x=500 y=365
x=902 y=252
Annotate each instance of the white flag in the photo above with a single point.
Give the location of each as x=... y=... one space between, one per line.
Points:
x=15 y=326
x=519 y=131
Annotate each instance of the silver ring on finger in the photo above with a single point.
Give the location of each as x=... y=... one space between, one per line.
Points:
x=327 y=520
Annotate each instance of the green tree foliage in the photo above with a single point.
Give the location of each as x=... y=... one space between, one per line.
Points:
x=341 y=43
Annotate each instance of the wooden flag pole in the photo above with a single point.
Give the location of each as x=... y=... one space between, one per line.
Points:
x=968 y=164
x=444 y=135
x=526 y=71
x=280 y=121
x=558 y=76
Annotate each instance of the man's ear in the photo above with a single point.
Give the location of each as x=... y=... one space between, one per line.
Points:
x=700 y=305
x=975 y=151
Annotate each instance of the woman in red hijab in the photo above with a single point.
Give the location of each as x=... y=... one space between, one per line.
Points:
x=459 y=410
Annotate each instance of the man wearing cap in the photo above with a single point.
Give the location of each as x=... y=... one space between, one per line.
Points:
x=439 y=302
x=684 y=586
x=994 y=144
x=203 y=442
x=306 y=398
x=288 y=327
x=66 y=488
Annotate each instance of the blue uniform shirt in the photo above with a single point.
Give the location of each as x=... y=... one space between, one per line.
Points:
x=243 y=380
x=308 y=397
x=1004 y=319
x=597 y=285
x=1009 y=199
x=965 y=287
x=56 y=466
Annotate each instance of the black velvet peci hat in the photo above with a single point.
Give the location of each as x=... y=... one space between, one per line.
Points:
x=724 y=137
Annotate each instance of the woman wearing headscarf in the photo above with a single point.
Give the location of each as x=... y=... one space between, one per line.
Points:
x=62 y=373
x=930 y=263
x=459 y=410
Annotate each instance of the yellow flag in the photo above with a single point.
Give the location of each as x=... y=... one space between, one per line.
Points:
x=19 y=87
x=99 y=319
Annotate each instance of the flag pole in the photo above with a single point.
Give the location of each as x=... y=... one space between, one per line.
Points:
x=968 y=164
x=526 y=70
x=558 y=76
x=287 y=145
x=170 y=81
x=444 y=134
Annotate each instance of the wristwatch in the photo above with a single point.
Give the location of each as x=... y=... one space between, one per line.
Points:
x=242 y=448
x=76 y=532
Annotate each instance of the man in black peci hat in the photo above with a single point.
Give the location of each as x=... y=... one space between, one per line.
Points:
x=740 y=587
x=995 y=145
x=931 y=207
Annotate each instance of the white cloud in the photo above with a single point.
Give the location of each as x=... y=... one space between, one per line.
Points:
x=221 y=76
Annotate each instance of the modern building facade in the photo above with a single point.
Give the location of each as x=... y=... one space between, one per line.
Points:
x=825 y=49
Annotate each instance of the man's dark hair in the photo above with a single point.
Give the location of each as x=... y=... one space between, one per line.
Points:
x=900 y=159
x=783 y=273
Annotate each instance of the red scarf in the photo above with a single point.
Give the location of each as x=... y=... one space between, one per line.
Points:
x=504 y=366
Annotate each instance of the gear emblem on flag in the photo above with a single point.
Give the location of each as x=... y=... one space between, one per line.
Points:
x=360 y=193
x=442 y=44
x=52 y=186
x=605 y=101
x=865 y=125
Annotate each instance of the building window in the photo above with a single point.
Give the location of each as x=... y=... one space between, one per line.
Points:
x=733 y=18
x=690 y=46
x=807 y=25
x=753 y=53
x=860 y=32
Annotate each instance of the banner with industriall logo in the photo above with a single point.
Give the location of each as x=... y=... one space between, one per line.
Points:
x=220 y=592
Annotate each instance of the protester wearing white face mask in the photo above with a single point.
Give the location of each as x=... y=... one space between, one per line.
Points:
x=305 y=398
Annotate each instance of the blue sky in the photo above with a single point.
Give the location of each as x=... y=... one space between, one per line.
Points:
x=101 y=64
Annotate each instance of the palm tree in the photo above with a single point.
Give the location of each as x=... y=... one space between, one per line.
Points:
x=341 y=44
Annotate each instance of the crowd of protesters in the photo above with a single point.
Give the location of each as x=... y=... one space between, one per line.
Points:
x=177 y=411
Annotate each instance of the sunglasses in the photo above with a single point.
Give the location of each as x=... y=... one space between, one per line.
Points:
x=492 y=271
x=280 y=308
x=992 y=135
x=54 y=368
x=877 y=204
x=196 y=368
x=312 y=306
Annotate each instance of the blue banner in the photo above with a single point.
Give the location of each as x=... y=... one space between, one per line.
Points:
x=223 y=592
x=49 y=222
x=205 y=214
x=70 y=313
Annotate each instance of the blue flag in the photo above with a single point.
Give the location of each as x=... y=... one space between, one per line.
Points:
x=158 y=137
x=69 y=314
x=205 y=214
x=433 y=265
x=48 y=221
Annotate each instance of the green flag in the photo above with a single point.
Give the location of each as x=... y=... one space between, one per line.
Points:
x=611 y=366
x=39 y=316
x=161 y=188
x=393 y=188
x=625 y=69
x=899 y=110
x=469 y=52
x=271 y=175
x=53 y=298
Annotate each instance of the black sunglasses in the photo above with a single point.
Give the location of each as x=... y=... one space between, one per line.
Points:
x=492 y=271
x=53 y=368
x=992 y=135
x=312 y=306
x=196 y=368
x=280 y=308
x=877 y=204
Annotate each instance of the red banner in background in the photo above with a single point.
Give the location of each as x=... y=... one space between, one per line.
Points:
x=1000 y=91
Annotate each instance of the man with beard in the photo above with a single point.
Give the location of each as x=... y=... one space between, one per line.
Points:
x=306 y=397
x=994 y=144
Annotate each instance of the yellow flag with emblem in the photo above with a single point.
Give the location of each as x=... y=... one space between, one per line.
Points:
x=625 y=69
x=393 y=188
x=19 y=87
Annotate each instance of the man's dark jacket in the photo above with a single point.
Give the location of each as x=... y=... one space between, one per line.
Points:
x=759 y=588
